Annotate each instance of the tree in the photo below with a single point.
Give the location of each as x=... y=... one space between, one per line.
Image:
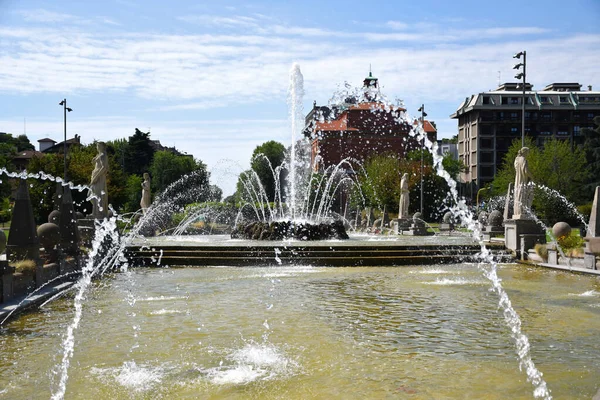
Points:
x=265 y=159
x=138 y=153
x=168 y=167
x=591 y=147
x=215 y=193
x=555 y=168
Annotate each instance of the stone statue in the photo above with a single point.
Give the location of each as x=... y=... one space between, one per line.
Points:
x=98 y=183
x=404 y=193
x=145 y=202
x=523 y=191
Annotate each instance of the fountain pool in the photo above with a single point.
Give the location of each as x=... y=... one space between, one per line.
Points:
x=310 y=332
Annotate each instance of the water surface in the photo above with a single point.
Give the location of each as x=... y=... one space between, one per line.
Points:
x=310 y=333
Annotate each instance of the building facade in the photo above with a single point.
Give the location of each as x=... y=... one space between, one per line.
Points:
x=489 y=122
x=359 y=128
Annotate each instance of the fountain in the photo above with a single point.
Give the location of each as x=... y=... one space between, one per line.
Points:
x=302 y=330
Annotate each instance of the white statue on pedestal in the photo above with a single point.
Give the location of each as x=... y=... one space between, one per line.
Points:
x=523 y=192
x=404 y=197
x=98 y=183
x=146 y=198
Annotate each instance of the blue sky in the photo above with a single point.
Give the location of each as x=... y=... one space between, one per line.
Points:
x=211 y=78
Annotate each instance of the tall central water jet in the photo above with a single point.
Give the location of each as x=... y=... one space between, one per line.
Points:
x=296 y=95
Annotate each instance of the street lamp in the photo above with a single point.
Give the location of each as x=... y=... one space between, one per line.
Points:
x=65 y=108
x=522 y=75
x=423 y=115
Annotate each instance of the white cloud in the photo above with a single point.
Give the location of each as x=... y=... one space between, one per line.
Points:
x=45 y=16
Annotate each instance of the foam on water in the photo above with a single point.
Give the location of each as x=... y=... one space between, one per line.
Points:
x=457 y=281
x=165 y=312
x=163 y=298
x=251 y=363
x=589 y=293
x=134 y=377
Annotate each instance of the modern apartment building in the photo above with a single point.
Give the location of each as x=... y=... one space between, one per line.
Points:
x=488 y=123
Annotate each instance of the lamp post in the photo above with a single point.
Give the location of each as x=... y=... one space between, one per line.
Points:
x=423 y=115
x=65 y=109
x=522 y=75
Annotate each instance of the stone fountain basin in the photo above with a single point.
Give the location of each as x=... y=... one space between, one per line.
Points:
x=593 y=244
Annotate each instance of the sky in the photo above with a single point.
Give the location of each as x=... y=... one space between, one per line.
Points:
x=212 y=78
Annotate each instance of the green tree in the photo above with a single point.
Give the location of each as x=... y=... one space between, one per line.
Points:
x=138 y=153
x=275 y=153
x=555 y=168
x=591 y=147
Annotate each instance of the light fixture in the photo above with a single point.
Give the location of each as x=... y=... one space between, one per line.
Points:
x=517 y=66
x=518 y=55
x=519 y=75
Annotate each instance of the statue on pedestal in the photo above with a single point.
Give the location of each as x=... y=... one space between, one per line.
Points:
x=146 y=198
x=404 y=198
x=98 y=183
x=523 y=191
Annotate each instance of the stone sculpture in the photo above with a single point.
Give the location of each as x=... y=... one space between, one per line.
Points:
x=98 y=183
x=523 y=191
x=146 y=198
x=404 y=198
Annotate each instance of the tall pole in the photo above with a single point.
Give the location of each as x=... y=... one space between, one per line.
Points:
x=65 y=109
x=524 y=99
x=65 y=141
x=422 y=146
x=522 y=75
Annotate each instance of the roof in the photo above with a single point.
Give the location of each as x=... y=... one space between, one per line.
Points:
x=47 y=140
x=340 y=124
x=374 y=105
x=427 y=126
x=27 y=154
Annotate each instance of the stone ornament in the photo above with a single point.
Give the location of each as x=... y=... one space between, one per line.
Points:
x=523 y=196
x=146 y=195
x=404 y=197
x=98 y=183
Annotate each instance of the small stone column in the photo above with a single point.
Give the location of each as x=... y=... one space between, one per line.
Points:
x=23 y=242
x=592 y=239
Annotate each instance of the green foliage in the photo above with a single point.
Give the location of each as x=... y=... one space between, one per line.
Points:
x=275 y=154
x=381 y=184
x=554 y=166
x=591 y=148
x=133 y=193
x=19 y=143
x=168 y=167
x=138 y=154
x=452 y=166
x=570 y=242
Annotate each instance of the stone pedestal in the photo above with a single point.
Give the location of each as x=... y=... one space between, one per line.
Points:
x=492 y=231
x=522 y=234
x=6 y=278
x=87 y=229
x=418 y=228
x=592 y=249
x=399 y=225
x=444 y=227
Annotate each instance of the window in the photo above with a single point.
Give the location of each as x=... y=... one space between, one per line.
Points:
x=514 y=130
x=486 y=157
x=564 y=99
x=545 y=100
x=504 y=100
x=545 y=130
x=562 y=131
x=486 y=130
x=546 y=116
x=487 y=143
x=590 y=115
x=514 y=115
x=501 y=115
x=577 y=130
x=487 y=171
x=486 y=99
x=514 y=100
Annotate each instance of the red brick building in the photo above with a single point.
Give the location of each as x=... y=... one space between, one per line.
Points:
x=359 y=128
